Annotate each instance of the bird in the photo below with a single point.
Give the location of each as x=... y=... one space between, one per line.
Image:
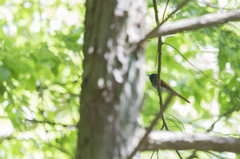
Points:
x=165 y=88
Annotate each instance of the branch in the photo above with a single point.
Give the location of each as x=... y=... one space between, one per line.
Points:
x=175 y=140
x=160 y=43
x=149 y=129
x=48 y=122
x=193 y=24
x=164 y=10
x=159 y=63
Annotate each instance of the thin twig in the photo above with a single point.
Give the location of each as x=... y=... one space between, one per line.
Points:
x=174 y=123
x=203 y=72
x=215 y=155
x=179 y=155
x=165 y=10
x=48 y=122
x=177 y=120
x=162 y=127
x=152 y=155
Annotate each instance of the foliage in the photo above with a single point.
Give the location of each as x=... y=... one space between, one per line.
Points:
x=40 y=76
x=213 y=50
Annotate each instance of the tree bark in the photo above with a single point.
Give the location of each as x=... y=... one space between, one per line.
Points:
x=113 y=78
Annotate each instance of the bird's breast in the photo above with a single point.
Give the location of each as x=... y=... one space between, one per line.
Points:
x=164 y=90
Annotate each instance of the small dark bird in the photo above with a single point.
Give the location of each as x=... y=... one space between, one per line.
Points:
x=165 y=88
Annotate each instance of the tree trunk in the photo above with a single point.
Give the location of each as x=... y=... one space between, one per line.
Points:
x=113 y=78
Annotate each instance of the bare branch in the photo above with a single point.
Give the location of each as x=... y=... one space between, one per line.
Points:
x=159 y=63
x=48 y=122
x=175 y=140
x=193 y=24
x=160 y=43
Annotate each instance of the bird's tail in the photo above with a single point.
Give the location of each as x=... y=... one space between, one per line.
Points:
x=182 y=97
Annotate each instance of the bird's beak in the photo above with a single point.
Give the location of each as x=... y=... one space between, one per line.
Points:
x=148 y=74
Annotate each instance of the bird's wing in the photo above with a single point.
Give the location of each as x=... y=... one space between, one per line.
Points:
x=165 y=85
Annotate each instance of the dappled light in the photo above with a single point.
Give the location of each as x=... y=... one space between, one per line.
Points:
x=74 y=79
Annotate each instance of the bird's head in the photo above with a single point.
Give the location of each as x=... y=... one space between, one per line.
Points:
x=152 y=77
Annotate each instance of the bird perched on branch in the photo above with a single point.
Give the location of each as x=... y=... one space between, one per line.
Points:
x=165 y=88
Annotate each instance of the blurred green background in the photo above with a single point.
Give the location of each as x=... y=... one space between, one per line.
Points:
x=41 y=66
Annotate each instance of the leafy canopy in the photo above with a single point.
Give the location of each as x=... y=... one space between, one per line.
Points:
x=41 y=66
